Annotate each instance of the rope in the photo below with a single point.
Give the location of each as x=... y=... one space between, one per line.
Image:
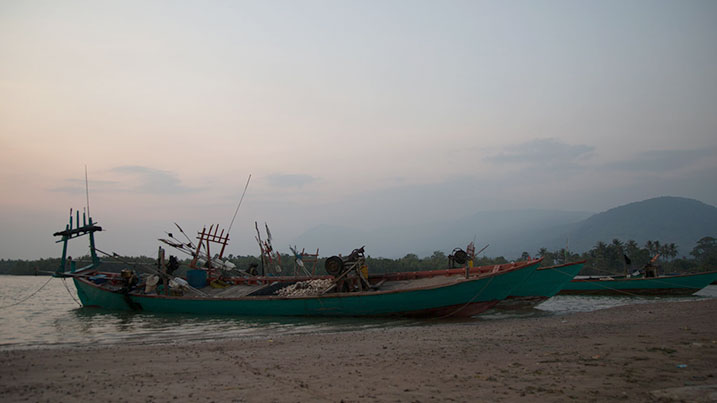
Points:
x=28 y=297
x=70 y=292
x=151 y=269
x=133 y=265
x=490 y=280
x=239 y=205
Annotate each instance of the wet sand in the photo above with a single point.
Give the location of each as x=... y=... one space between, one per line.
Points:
x=618 y=354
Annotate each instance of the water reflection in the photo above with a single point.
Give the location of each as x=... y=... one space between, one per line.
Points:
x=52 y=318
x=142 y=327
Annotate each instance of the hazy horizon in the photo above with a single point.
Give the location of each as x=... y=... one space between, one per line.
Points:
x=362 y=114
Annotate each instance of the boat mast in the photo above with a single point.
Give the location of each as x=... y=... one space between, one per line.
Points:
x=93 y=252
x=88 y=227
x=72 y=232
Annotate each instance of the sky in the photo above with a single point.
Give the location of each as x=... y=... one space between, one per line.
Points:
x=358 y=113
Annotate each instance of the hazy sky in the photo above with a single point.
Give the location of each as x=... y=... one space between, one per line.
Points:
x=364 y=113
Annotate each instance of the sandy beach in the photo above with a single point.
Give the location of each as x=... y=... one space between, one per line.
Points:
x=627 y=353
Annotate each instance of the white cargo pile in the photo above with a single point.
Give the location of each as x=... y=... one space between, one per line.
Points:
x=305 y=288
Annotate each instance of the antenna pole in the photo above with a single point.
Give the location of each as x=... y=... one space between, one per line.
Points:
x=87 y=192
x=239 y=205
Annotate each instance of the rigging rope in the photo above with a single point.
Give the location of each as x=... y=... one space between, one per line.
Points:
x=133 y=265
x=460 y=308
x=70 y=292
x=28 y=297
x=490 y=280
x=150 y=267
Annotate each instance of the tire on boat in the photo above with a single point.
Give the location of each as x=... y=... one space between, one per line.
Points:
x=460 y=256
x=334 y=265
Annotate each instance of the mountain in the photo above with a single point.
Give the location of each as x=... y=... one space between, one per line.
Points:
x=665 y=219
x=509 y=233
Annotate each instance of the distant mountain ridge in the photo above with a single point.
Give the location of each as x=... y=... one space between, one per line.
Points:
x=667 y=219
x=509 y=233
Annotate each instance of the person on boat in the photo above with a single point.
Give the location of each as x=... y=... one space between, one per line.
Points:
x=220 y=282
x=650 y=270
x=173 y=265
x=129 y=279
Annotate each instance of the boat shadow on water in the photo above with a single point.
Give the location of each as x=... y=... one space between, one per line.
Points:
x=110 y=326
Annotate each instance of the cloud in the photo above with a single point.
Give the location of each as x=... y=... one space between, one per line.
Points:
x=290 y=180
x=136 y=178
x=150 y=180
x=76 y=186
x=543 y=153
x=665 y=160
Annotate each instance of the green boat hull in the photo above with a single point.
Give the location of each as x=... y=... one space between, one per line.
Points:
x=465 y=297
x=547 y=281
x=544 y=283
x=686 y=284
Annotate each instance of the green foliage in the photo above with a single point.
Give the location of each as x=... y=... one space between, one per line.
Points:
x=705 y=253
x=603 y=258
x=618 y=257
x=29 y=267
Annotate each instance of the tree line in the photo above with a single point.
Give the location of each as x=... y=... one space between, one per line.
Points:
x=618 y=257
x=615 y=257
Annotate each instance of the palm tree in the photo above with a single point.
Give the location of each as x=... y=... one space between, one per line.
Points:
x=616 y=250
x=561 y=257
x=548 y=257
x=671 y=250
x=650 y=246
x=600 y=252
x=616 y=243
x=658 y=247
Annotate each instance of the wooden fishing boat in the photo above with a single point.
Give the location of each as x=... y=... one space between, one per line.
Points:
x=543 y=284
x=435 y=293
x=442 y=295
x=685 y=284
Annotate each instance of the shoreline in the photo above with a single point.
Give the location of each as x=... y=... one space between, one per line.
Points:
x=614 y=354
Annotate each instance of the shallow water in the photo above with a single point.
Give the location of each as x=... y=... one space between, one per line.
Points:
x=52 y=318
x=564 y=304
